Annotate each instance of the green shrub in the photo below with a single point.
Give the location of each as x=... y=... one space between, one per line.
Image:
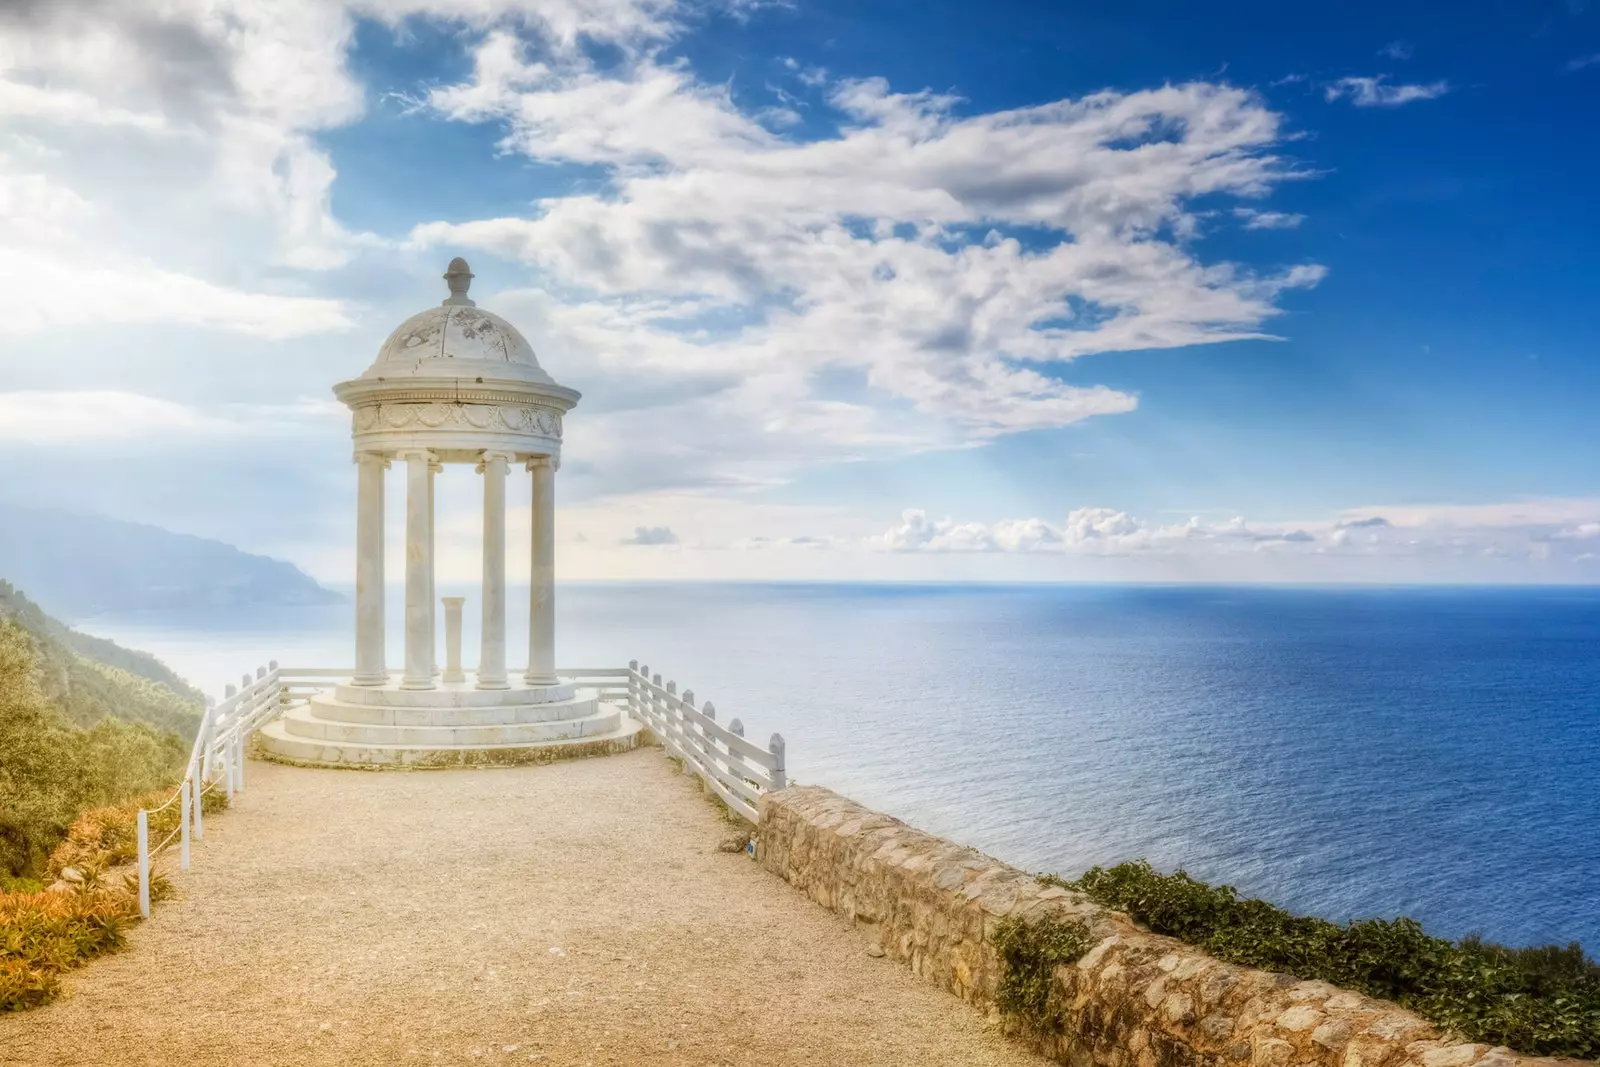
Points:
x=1031 y=952
x=1541 y=1001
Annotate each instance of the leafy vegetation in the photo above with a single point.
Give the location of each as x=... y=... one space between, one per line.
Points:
x=43 y=934
x=89 y=679
x=107 y=836
x=74 y=772
x=1541 y=1001
x=1031 y=952
x=84 y=914
x=51 y=770
x=46 y=932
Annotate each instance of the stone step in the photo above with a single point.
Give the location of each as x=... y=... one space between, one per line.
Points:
x=584 y=718
x=329 y=707
x=276 y=743
x=451 y=695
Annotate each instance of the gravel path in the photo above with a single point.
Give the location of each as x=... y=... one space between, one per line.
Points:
x=577 y=913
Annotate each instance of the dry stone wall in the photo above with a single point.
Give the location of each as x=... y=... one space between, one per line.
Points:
x=1135 y=1000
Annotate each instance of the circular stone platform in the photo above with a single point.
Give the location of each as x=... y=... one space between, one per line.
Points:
x=454 y=725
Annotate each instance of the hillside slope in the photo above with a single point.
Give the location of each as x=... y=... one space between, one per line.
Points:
x=88 y=679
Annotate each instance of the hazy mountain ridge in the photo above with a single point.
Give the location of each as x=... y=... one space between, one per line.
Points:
x=81 y=565
x=89 y=678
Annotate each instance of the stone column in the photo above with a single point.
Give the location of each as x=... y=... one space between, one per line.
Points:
x=419 y=580
x=542 y=601
x=370 y=668
x=433 y=601
x=492 y=646
x=452 y=639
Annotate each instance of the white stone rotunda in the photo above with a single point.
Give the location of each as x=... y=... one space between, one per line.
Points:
x=452 y=385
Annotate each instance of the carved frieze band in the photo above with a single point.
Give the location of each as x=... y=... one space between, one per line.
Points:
x=492 y=418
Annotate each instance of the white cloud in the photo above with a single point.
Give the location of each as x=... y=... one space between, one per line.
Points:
x=1582 y=62
x=91 y=418
x=915 y=532
x=21 y=100
x=1539 y=532
x=887 y=287
x=49 y=291
x=1397 y=50
x=651 y=535
x=1375 y=92
x=1267 y=220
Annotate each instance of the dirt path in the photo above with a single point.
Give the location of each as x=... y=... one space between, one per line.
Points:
x=577 y=913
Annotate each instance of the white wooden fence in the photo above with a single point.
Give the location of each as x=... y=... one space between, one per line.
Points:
x=737 y=770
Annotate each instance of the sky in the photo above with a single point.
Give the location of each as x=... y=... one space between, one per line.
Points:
x=1153 y=291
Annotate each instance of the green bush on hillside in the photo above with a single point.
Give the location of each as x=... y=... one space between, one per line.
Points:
x=51 y=770
x=1540 y=1001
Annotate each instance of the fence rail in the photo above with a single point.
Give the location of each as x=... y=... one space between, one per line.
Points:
x=736 y=769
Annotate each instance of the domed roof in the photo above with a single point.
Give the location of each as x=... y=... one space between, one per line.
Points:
x=457 y=339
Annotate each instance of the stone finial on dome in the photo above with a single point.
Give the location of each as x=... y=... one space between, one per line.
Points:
x=459 y=277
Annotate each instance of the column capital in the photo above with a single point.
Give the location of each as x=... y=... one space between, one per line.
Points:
x=537 y=462
x=370 y=457
x=489 y=455
x=406 y=455
x=434 y=464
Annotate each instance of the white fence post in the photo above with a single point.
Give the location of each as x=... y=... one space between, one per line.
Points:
x=238 y=762
x=657 y=712
x=691 y=737
x=144 y=863
x=775 y=746
x=644 y=702
x=670 y=703
x=227 y=768
x=183 y=826
x=209 y=771
x=708 y=744
x=195 y=796
x=633 y=688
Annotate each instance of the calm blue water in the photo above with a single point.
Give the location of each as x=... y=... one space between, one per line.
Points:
x=1342 y=752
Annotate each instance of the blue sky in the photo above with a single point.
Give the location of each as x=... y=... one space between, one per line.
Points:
x=1152 y=291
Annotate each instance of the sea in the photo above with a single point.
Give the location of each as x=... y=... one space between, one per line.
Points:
x=1343 y=752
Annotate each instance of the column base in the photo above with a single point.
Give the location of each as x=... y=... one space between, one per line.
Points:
x=493 y=683
x=450 y=677
x=412 y=684
x=530 y=678
x=370 y=679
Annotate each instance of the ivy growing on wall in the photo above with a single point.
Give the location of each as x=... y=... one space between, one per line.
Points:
x=1541 y=1001
x=1031 y=952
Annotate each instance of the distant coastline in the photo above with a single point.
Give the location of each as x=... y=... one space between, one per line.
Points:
x=79 y=566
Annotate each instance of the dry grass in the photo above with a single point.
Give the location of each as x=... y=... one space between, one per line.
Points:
x=44 y=932
x=107 y=837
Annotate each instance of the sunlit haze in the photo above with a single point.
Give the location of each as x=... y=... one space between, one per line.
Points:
x=936 y=291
